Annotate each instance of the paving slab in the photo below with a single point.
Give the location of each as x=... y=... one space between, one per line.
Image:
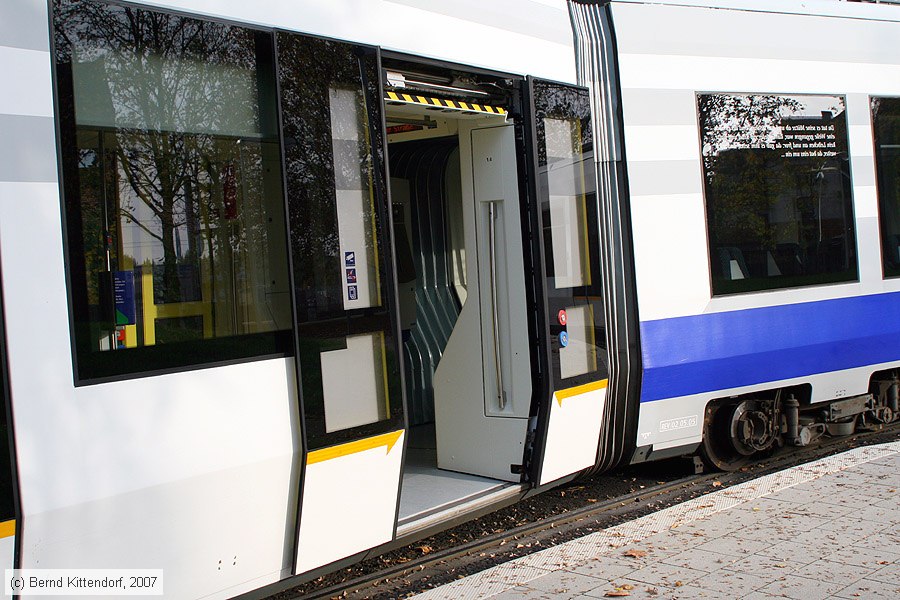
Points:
x=826 y=529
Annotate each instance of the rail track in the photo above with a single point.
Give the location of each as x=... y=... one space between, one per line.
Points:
x=420 y=566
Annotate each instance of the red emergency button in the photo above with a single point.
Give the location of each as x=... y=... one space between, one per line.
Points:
x=562 y=317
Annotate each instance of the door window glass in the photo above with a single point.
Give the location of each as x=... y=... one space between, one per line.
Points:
x=570 y=218
x=330 y=107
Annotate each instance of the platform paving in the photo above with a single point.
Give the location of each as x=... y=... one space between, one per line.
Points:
x=825 y=529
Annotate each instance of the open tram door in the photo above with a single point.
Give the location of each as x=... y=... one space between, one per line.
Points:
x=455 y=155
x=352 y=423
x=570 y=403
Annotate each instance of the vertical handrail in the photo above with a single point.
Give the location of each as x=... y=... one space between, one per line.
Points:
x=495 y=319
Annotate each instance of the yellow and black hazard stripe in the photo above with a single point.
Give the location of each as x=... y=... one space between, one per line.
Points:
x=442 y=103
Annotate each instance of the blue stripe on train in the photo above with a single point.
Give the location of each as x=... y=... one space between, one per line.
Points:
x=717 y=351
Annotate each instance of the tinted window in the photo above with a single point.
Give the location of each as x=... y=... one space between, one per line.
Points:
x=779 y=207
x=174 y=206
x=349 y=367
x=569 y=215
x=886 y=119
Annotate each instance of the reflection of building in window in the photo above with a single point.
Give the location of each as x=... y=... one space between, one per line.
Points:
x=778 y=194
x=886 y=120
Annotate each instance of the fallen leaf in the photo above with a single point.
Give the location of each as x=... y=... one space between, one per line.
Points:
x=626 y=586
x=652 y=591
x=635 y=553
x=678 y=583
x=717 y=484
x=424 y=549
x=617 y=593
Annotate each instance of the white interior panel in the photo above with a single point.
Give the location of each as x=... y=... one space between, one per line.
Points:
x=353 y=383
x=468 y=440
x=349 y=504
x=566 y=224
x=352 y=215
x=495 y=181
x=580 y=356
x=573 y=434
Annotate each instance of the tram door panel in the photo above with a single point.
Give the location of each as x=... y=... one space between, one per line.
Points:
x=482 y=385
x=351 y=408
x=565 y=174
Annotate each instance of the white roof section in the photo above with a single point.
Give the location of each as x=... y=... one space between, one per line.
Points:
x=879 y=10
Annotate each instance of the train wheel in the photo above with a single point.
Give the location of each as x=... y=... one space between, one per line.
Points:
x=733 y=433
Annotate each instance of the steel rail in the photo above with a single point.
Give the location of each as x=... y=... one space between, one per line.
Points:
x=627 y=503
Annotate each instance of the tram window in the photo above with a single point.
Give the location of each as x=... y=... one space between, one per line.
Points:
x=779 y=204
x=175 y=211
x=886 y=120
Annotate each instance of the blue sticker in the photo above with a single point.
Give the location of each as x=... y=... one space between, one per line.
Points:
x=123 y=294
x=351 y=292
x=563 y=339
x=351 y=275
x=349 y=259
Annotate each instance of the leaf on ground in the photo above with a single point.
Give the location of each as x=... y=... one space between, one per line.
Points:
x=679 y=583
x=633 y=553
x=717 y=484
x=424 y=549
x=626 y=586
x=617 y=593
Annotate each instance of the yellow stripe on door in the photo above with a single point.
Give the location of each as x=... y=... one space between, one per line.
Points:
x=580 y=389
x=385 y=439
x=7 y=529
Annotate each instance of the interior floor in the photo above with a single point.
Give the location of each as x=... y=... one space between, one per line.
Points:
x=426 y=192
x=425 y=488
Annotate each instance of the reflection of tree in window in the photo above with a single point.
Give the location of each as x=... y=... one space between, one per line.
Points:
x=179 y=169
x=778 y=197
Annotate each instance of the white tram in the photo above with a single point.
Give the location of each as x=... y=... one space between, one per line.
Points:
x=288 y=283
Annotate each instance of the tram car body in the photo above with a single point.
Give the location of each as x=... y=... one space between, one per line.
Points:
x=285 y=284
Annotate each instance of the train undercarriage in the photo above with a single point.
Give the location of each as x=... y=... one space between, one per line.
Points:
x=740 y=429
